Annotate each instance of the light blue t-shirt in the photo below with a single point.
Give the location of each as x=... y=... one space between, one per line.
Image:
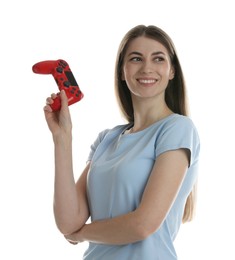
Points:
x=120 y=167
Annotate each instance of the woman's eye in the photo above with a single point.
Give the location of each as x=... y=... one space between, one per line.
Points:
x=159 y=59
x=135 y=59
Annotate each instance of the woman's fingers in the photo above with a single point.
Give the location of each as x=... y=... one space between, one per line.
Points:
x=50 y=100
x=53 y=95
x=47 y=108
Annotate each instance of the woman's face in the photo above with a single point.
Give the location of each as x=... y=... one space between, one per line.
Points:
x=147 y=68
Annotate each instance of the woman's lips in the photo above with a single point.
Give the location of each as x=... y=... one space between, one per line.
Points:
x=147 y=81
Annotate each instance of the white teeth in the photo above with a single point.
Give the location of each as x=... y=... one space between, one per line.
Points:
x=147 y=81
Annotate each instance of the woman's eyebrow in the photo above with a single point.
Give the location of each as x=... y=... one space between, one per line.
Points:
x=140 y=54
x=135 y=53
x=158 y=52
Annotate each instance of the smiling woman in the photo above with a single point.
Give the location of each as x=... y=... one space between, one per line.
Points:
x=137 y=183
x=147 y=69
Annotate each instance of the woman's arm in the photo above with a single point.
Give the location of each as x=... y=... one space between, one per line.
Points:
x=70 y=202
x=160 y=192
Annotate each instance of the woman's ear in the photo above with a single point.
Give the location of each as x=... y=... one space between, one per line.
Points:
x=172 y=73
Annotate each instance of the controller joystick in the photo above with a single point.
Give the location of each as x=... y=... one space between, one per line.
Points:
x=64 y=78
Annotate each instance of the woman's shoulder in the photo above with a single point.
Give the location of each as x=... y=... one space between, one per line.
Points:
x=177 y=120
x=177 y=125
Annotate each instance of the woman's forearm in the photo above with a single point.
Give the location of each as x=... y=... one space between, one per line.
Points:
x=121 y=230
x=66 y=206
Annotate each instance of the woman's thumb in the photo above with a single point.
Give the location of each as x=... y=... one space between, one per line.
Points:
x=64 y=99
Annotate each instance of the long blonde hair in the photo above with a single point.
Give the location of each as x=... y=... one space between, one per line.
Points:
x=175 y=94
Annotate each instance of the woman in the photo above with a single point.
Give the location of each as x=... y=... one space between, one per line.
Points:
x=138 y=185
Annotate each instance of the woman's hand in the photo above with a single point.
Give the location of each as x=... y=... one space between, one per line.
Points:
x=59 y=122
x=74 y=238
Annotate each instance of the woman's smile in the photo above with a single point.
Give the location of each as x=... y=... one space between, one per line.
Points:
x=147 y=82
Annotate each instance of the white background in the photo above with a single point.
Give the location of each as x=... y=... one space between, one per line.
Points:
x=87 y=35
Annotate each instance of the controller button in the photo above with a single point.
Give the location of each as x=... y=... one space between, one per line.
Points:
x=62 y=63
x=59 y=69
x=66 y=84
x=78 y=93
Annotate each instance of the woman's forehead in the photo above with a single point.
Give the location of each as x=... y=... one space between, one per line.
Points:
x=145 y=44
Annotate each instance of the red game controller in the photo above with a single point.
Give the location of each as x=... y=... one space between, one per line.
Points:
x=64 y=78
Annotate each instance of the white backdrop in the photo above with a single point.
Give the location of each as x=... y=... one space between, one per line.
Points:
x=87 y=35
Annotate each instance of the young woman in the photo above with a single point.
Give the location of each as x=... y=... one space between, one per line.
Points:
x=138 y=185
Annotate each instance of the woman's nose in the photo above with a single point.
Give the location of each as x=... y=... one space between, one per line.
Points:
x=147 y=67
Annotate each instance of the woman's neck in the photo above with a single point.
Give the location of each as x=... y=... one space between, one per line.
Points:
x=147 y=114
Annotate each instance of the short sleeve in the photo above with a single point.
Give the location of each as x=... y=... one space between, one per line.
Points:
x=176 y=134
x=96 y=143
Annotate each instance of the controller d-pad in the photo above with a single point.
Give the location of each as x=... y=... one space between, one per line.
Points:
x=72 y=91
